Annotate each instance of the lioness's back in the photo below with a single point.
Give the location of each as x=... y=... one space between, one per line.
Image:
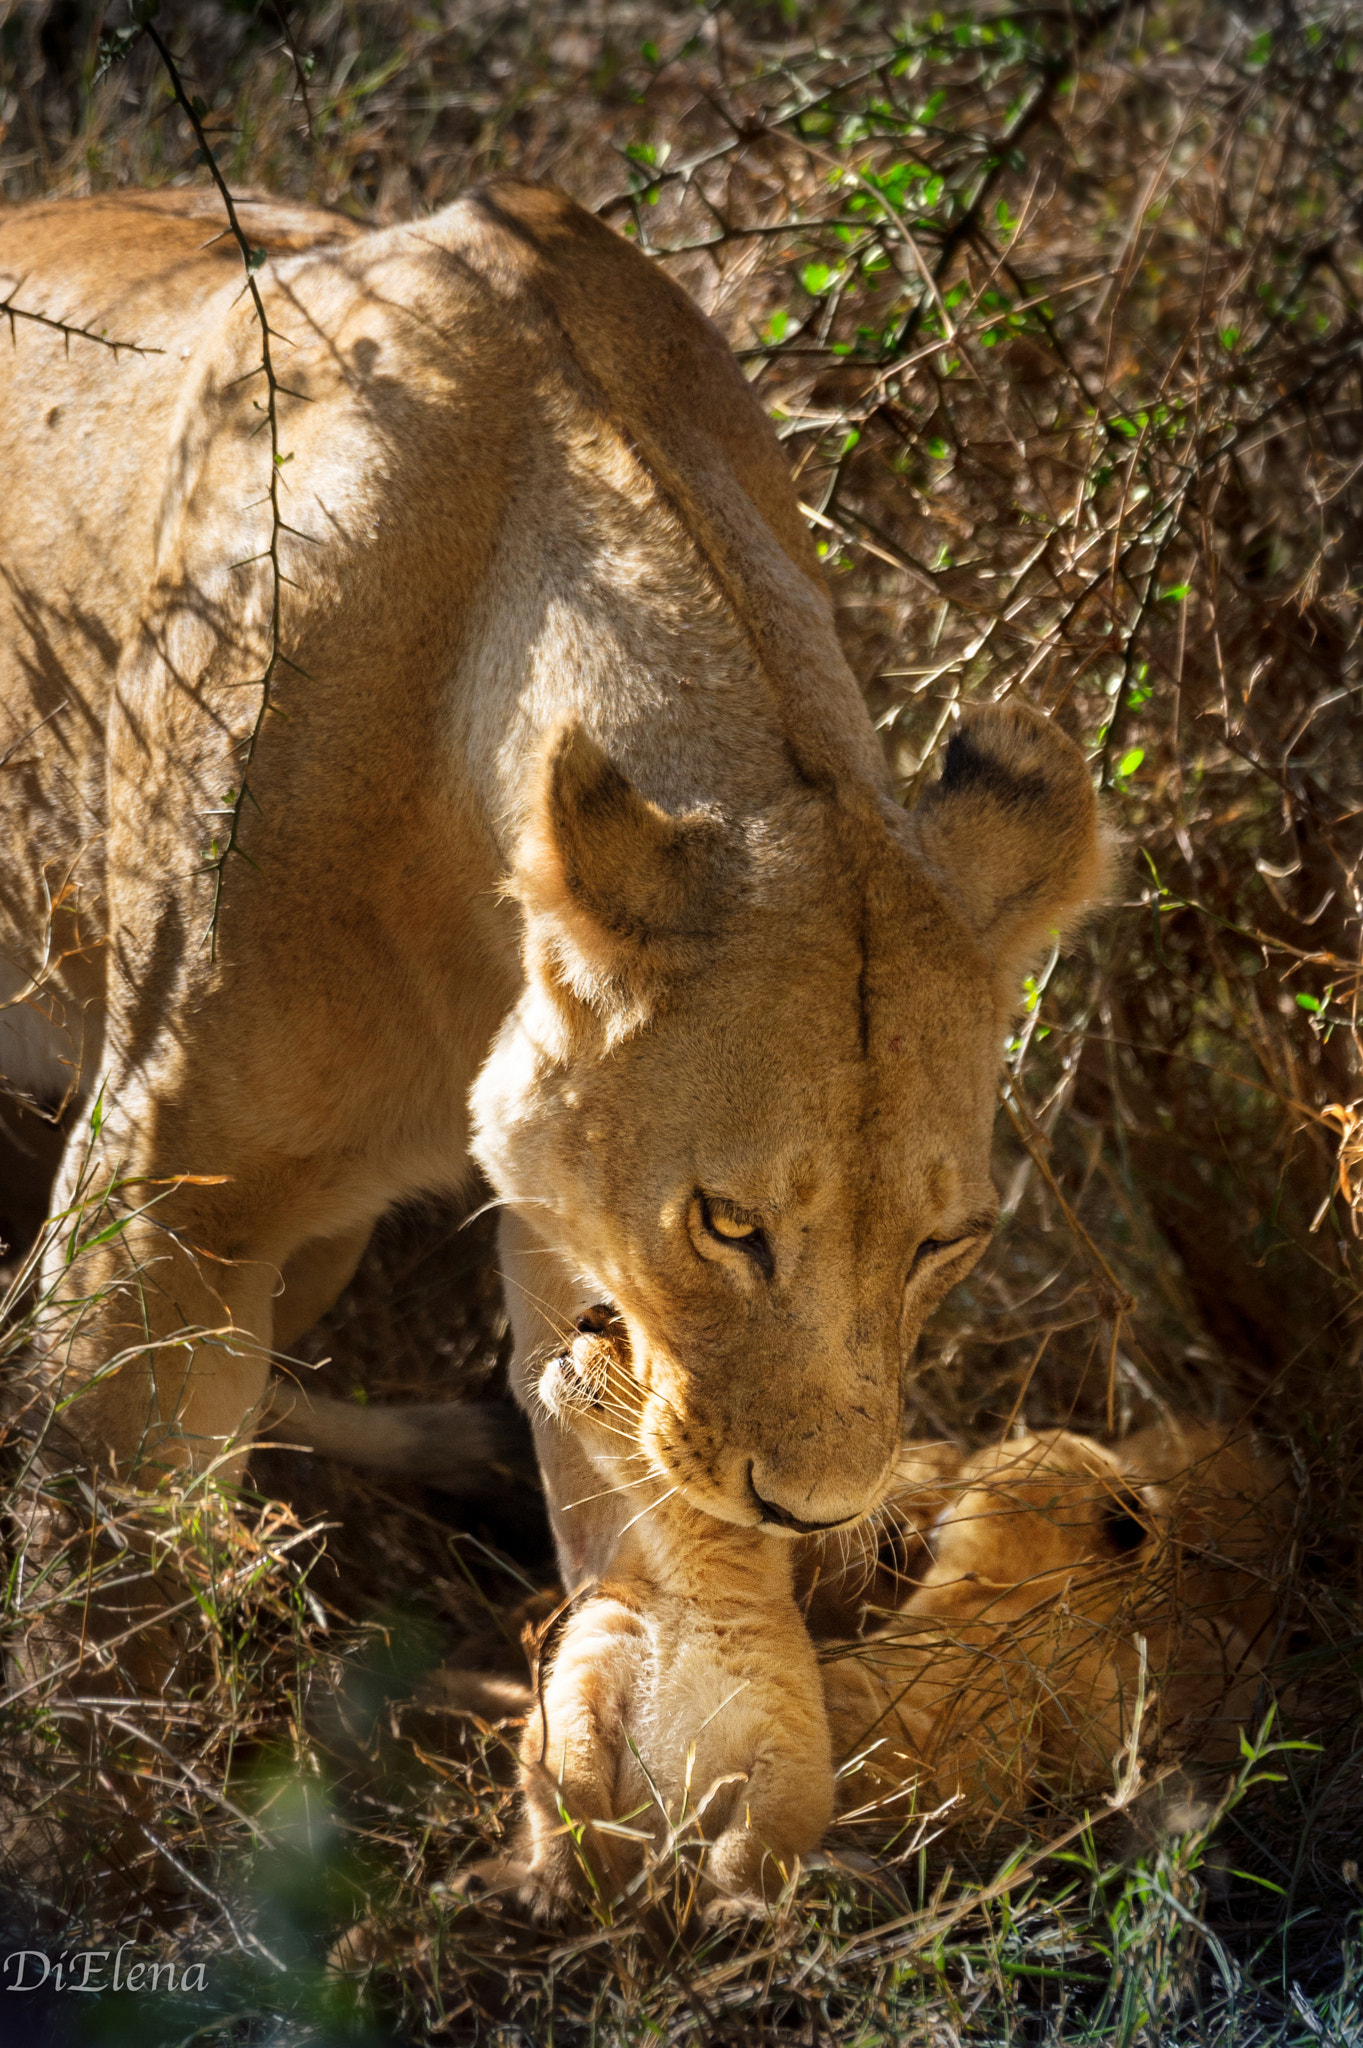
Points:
x=450 y=366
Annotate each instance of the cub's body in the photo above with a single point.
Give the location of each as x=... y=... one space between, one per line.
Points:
x=1077 y=1606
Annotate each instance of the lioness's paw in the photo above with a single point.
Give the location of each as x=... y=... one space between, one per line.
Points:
x=740 y=1868
x=733 y=1910
x=540 y=1892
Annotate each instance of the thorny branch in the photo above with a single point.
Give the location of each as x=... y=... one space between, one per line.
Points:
x=13 y=311
x=253 y=259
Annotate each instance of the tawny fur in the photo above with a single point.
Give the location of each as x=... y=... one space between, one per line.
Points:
x=683 y=1707
x=1013 y=1670
x=573 y=852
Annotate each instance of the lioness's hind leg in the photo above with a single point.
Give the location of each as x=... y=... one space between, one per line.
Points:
x=313 y=1279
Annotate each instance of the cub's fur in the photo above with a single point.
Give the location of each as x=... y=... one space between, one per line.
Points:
x=1013 y=1670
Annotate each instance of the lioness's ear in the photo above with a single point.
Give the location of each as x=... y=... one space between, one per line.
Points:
x=625 y=885
x=1013 y=829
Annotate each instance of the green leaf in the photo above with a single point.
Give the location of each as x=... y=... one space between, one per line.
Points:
x=938 y=449
x=1175 y=594
x=1305 y=1002
x=112 y=49
x=816 y=278
x=1229 y=337
x=1130 y=762
x=649 y=52
x=777 y=327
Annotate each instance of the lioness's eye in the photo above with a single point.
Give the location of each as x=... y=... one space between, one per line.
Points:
x=968 y=1234
x=744 y=1237
x=932 y=1246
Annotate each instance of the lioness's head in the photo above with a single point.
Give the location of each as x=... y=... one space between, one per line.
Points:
x=747 y=1094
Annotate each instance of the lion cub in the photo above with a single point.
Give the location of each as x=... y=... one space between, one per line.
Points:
x=1072 y=1601
x=684 y=1705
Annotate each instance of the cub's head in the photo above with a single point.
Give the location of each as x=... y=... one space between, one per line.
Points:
x=1032 y=1517
x=746 y=1097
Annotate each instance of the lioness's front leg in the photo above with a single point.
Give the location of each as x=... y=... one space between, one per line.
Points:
x=684 y=1697
x=181 y=1231
x=692 y=1720
x=570 y=1771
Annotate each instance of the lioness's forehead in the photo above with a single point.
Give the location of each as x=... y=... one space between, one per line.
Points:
x=795 y=1114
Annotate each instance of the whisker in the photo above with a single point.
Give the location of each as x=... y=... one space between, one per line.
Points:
x=624 y=1436
x=625 y=1486
x=506 y=1202
x=552 y=1314
x=649 y=1509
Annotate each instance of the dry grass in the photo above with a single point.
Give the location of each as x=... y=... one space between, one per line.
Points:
x=1059 y=317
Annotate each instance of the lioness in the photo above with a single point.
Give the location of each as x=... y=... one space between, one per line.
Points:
x=571 y=849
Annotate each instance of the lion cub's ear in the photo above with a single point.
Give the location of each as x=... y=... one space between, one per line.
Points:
x=1013 y=829
x=624 y=886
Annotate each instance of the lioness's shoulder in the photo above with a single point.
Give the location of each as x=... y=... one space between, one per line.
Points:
x=175 y=217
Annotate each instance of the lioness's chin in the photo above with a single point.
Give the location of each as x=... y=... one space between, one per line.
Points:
x=744 y=1510
x=719 y=1506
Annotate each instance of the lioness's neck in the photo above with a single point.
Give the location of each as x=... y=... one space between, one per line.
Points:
x=616 y=620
